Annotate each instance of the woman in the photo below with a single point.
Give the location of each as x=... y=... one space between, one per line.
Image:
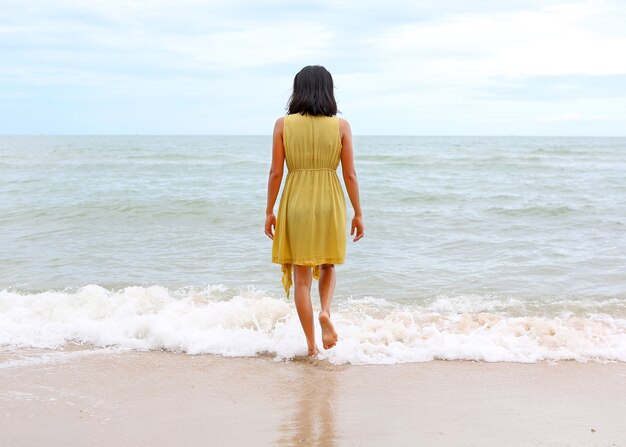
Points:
x=310 y=230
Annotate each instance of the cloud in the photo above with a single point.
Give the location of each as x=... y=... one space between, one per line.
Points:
x=556 y=88
x=572 y=116
x=551 y=41
x=134 y=44
x=449 y=66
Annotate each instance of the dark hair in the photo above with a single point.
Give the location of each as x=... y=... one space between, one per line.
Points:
x=313 y=93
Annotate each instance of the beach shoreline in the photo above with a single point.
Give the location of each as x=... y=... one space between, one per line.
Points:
x=159 y=398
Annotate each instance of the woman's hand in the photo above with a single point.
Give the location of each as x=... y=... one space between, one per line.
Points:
x=357 y=225
x=270 y=224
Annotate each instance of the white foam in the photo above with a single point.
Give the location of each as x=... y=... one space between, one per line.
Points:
x=251 y=322
x=472 y=303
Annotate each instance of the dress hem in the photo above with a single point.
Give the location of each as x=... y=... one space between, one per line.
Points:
x=286 y=268
x=309 y=263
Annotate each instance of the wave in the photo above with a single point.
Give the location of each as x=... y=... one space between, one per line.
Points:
x=249 y=322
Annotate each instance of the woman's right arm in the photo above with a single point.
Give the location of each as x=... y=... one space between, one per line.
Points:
x=275 y=177
x=349 y=178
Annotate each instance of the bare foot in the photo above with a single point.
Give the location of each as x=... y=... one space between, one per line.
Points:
x=313 y=352
x=329 y=336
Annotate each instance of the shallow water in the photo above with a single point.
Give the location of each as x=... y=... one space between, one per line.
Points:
x=108 y=240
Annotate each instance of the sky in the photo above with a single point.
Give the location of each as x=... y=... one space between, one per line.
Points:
x=401 y=67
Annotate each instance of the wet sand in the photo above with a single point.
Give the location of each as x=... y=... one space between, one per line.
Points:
x=164 y=399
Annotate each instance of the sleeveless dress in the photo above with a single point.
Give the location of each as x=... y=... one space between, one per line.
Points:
x=311 y=221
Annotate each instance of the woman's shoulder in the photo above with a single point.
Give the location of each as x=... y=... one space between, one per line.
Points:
x=344 y=125
x=279 y=126
x=280 y=122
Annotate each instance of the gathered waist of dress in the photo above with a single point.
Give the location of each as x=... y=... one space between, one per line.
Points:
x=312 y=169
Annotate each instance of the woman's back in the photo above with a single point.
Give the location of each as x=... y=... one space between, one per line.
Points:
x=311 y=222
x=311 y=142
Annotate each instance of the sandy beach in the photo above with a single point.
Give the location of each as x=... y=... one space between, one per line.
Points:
x=164 y=398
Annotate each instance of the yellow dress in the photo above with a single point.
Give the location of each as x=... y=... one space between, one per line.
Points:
x=311 y=221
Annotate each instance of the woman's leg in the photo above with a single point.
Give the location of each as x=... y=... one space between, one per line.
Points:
x=327 y=281
x=302 y=291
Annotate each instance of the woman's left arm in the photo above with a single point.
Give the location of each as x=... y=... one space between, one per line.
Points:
x=275 y=177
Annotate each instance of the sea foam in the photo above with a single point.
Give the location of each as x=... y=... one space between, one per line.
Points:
x=249 y=322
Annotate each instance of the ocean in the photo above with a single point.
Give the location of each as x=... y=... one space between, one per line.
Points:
x=476 y=248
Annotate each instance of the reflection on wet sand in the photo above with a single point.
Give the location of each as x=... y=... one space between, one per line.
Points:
x=314 y=417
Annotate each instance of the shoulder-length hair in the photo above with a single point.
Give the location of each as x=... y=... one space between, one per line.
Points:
x=313 y=93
